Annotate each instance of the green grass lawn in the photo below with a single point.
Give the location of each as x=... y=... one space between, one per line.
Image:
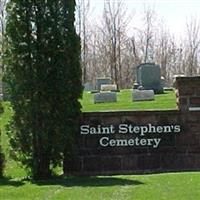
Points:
x=124 y=102
x=166 y=186
x=174 y=186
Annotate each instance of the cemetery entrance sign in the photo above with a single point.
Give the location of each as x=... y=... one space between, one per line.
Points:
x=138 y=135
x=128 y=142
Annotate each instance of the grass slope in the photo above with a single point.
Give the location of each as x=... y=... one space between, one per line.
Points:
x=124 y=102
x=173 y=186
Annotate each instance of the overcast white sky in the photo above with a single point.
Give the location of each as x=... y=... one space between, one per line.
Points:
x=175 y=13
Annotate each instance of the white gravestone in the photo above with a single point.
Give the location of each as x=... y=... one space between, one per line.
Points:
x=142 y=95
x=88 y=87
x=108 y=87
x=101 y=81
x=105 y=97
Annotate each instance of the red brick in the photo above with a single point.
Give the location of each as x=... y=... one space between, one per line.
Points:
x=195 y=101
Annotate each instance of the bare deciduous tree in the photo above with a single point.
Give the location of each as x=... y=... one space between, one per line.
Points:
x=147 y=35
x=114 y=28
x=83 y=9
x=192 y=46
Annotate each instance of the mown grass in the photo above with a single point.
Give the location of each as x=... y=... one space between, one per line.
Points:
x=173 y=186
x=124 y=102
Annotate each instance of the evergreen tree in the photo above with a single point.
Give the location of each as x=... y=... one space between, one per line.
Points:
x=44 y=77
x=2 y=159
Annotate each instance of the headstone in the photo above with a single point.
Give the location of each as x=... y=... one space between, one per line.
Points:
x=105 y=97
x=108 y=87
x=88 y=87
x=5 y=92
x=142 y=95
x=102 y=81
x=149 y=76
x=1 y=90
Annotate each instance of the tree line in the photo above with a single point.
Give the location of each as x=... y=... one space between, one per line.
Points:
x=109 y=49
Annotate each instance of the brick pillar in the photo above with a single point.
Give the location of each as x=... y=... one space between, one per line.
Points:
x=188 y=93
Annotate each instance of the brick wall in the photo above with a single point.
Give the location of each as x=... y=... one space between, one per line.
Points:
x=188 y=93
x=176 y=152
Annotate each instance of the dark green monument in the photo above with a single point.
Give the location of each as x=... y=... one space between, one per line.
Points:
x=149 y=77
